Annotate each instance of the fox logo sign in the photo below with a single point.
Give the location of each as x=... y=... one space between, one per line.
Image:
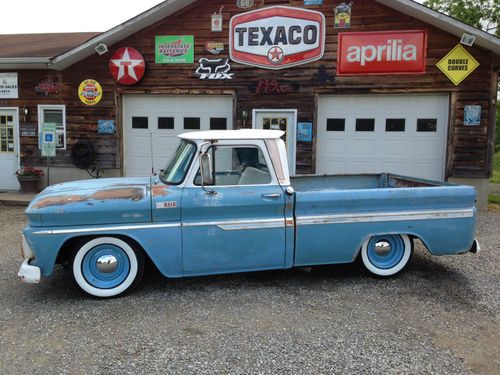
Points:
x=214 y=69
x=277 y=37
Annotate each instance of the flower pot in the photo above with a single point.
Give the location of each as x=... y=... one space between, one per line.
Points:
x=29 y=184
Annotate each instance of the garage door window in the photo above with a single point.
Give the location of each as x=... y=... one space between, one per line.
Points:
x=335 y=124
x=365 y=124
x=218 y=123
x=54 y=114
x=426 y=125
x=191 y=123
x=139 y=122
x=166 y=123
x=395 y=125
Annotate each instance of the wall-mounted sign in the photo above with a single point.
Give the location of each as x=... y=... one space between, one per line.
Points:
x=273 y=86
x=127 y=66
x=245 y=4
x=457 y=64
x=313 y=2
x=343 y=16
x=216 y=22
x=214 y=47
x=8 y=86
x=214 y=69
x=277 y=37
x=174 y=49
x=304 y=131
x=27 y=130
x=382 y=52
x=472 y=115
x=90 y=92
x=48 y=139
x=106 y=127
x=46 y=87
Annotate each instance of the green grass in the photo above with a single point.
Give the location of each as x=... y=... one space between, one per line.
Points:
x=494 y=199
x=496 y=169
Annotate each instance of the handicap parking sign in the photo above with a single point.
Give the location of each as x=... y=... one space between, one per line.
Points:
x=49 y=137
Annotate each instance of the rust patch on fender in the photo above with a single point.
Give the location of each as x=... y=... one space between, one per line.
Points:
x=159 y=190
x=134 y=194
x=59 y=200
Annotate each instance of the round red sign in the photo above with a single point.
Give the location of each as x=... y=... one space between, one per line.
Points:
x=127 y=66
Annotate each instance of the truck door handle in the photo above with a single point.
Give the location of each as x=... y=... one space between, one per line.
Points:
x=271 y=196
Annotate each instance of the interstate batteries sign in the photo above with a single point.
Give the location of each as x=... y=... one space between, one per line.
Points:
x=277 y=37
x=382 y=52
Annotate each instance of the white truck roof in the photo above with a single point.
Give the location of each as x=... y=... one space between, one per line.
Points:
x=233 y=134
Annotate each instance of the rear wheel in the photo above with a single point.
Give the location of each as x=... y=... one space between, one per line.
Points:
x=106 y=267
x=386 y=255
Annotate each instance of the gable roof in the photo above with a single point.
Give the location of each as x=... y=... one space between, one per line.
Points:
x=168 y=7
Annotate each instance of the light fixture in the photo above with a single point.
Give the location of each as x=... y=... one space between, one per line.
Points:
x=101 y=48
x=26 y=113
x=244 y=117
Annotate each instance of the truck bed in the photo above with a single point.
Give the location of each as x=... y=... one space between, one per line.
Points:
x=360 y=181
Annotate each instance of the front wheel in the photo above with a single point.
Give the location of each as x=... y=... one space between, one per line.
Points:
x=386 y=255
x=106 y=267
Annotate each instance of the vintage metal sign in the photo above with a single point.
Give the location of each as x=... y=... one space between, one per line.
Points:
x=472 y=115
x=46 y=87
x=273 y=86
x=174 y=49
x=343 y=16
x=277 y=37
x=90 y=92
x=382 y=52
x=457 y=64
x=214 y=47
x=127 y=66
x=106 y=126
x=216 y=22
x=214 y=69
x=8 y=86
x=313 y=2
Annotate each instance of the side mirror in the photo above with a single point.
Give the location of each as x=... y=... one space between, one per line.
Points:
x=207 y=176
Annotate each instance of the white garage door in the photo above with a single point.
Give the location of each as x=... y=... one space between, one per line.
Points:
x=404 y=134
x=152 y=123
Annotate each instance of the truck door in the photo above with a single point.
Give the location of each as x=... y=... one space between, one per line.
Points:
x=239 y=224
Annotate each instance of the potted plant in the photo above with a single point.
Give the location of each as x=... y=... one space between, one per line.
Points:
x=29 y=179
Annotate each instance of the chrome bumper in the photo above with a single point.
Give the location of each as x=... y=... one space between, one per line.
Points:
x=475 y=247
x=28 y=273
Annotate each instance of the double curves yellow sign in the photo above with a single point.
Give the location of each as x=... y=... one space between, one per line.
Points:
x=457 y=64
x=90 y=92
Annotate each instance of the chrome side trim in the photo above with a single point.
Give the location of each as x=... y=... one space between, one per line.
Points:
x=385 y=216
x=239 y=224
x=103 y=229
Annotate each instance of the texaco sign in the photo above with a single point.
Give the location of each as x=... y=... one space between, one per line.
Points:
x=277 y=37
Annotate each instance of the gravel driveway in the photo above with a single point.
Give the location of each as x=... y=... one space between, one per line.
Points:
x=440 y=316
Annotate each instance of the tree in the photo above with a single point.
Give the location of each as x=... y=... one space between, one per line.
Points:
x=482 y=14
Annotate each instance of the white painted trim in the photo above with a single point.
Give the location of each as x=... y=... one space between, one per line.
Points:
x=255 y=111
x=104 y=229
x=41 y=108
x=15 y=110
x=369 y=217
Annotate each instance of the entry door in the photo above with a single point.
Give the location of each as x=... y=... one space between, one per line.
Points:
x=9 y=150
x=238 y=226
x=280 y=120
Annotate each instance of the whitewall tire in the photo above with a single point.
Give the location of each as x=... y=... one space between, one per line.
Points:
x=386 y=255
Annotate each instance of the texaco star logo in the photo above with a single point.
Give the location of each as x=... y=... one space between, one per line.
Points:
x=275 y=55
x=127 y=66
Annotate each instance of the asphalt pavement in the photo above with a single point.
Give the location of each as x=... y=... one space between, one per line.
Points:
x=438 y=317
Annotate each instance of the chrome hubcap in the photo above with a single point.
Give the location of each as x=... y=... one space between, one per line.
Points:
x=107 y=263
x=382 y=247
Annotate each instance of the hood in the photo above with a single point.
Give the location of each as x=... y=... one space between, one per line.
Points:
x=90 y=202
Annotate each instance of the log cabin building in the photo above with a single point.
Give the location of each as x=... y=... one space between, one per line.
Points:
x=359 y=87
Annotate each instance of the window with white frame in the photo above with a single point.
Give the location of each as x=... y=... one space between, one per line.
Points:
x=54 y=114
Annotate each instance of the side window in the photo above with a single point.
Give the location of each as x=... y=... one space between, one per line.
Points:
x=236 y=165
x=54 y=114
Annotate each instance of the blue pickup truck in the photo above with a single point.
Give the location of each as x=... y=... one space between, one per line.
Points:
x=226 y=203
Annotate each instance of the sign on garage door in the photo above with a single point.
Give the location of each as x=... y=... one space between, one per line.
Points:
x=152 y=123
x=404 y=134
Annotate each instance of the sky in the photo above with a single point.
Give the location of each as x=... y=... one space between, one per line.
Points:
x=51 y=16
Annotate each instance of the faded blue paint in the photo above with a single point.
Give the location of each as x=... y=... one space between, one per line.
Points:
x=393 y=256
x=204 y=245
x=106 y=280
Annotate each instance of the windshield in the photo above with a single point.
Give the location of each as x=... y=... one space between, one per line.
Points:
x=176 y=170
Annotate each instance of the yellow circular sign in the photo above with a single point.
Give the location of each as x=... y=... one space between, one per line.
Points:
x=90 y=92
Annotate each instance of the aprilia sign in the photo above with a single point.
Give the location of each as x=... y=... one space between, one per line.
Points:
x=277 y=37
x=382 y=52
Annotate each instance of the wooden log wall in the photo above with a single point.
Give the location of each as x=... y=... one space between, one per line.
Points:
x=468 y=146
